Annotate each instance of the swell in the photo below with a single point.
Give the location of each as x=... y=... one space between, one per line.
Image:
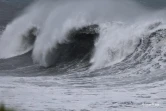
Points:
x=132 y=43
x=80 y=44
x=78 y=48
x=151 y=49
x=14 y=63
x=104 y=34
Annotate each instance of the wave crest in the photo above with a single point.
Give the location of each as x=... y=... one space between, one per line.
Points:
x=61 y=31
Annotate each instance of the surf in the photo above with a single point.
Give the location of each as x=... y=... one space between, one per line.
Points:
x=102 y=33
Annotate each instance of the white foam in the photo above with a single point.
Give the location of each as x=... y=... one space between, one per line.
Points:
x=122 y=23
x=119 y=40
x=11 y=41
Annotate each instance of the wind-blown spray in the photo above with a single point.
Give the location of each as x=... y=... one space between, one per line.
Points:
x=120 y=22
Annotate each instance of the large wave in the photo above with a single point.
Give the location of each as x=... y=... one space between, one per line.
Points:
x=59 y=31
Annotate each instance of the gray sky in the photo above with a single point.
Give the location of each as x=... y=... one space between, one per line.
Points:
x=156 y=4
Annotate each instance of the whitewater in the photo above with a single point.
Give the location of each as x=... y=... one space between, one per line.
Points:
x=91 y=55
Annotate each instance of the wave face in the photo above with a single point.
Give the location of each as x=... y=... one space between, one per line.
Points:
x=103 y=33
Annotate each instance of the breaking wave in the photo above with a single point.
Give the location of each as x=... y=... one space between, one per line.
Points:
x=103 y=33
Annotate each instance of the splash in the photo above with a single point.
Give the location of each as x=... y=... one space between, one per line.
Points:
x=122 y=25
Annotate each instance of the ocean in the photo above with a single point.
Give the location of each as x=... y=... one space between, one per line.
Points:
x=83 y=55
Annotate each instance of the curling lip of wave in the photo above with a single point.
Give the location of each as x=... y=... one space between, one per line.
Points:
x=53 y=20
x=78 y=47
